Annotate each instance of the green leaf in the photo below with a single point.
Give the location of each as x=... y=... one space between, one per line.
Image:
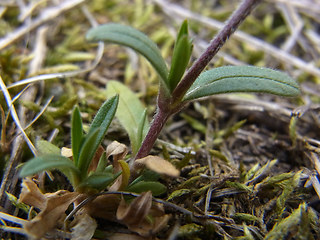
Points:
x=130 y=113
x=130 y=37
x=45 y=147
x=76 y=134
x=50 y=162
x=105 y=115
x=180 y=57
x=98 y=129
x=102 y=163
x=141 y=131
x=155 y=187
x=97 y=181
x=87 y=151
x=242 y=79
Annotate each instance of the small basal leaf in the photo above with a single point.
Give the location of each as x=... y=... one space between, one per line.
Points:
x=230 y=79
x=44 y=147
x=143 y=126
x=102 y=163
x=98 y=128
x=87 y=151
x=130 y=37
x=155 y=187
x=50 y=162
x=97 y=181
x=130 y=113
x=76 y=133
x=104 y=117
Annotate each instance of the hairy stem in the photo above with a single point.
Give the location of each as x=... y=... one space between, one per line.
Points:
x=169 y=105
x=157 y=124
x=231 y=25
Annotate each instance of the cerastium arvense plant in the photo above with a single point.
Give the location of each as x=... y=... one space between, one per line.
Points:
x=84 y=148
x=178 y=88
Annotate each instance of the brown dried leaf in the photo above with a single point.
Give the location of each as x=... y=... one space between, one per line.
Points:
x=104 y=206
x=95 y=159
x=52 y=206
x=56 y=205
x=84 y=227
x=136 y=211
x=31 y=194
x=134 y=215
x=117 y=150
x=126 y=236
x=159 y=165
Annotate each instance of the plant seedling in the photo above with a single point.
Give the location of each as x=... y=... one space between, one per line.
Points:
x=177 y=86
x=88 y=171
x=84 y=148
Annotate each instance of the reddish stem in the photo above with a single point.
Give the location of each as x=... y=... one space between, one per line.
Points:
x=170 y=105
x=157 y=124
x=231 y=25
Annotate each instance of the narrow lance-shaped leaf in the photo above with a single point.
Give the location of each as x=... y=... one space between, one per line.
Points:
x=130 y=37
x=129 y=113
x=44 y=147
x=155 y=187
x=98 y=129
x=230 y=79
x=87 y=151
x=141 y=130
x=92 y=141
x=180 y=57
x=97 y=181
x=102 y=163
x=76 y=134
x=50 y=162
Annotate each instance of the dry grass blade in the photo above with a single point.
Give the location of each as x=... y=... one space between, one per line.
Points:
x=44 y=77
x=46 y=15
x=12 y=219
x=43 y=109
x=15 y=116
